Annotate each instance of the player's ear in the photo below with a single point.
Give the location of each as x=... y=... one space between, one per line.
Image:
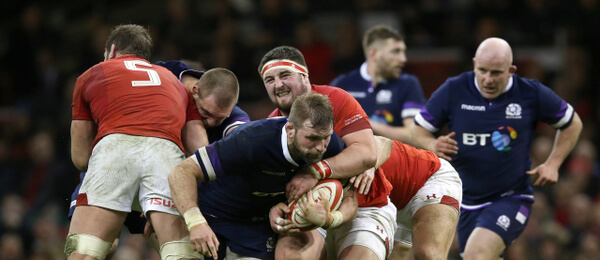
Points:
x=112 y=53
x=512 y=69
x=195 y=91
x=372 y=52
x=289 y=129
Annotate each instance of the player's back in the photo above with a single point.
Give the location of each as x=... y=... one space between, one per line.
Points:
x=131 y=96
x=252 y=166
x=407 y=169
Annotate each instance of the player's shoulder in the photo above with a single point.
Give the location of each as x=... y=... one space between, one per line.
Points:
x=407 y=80
x=258 y=135
x=527 y=83
x=262 y=127
x=461 y=81
x=348 y=78
x=408 y=77
x=238 y=113
x=179 y=68
x=330 y=91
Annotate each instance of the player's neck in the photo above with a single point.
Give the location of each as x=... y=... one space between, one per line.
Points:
x=375 y=77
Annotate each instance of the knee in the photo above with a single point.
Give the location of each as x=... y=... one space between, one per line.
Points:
x=429 y=253
x=288 y=251
x=475 y=254
x=87 y=245
x=180 y=249
x=400 y=251
x=288 y=254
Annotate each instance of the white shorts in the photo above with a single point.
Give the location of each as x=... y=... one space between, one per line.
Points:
x=444 y=187
x=128 y=172
x=372 y=228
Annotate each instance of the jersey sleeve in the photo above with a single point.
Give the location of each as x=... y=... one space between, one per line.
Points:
x=80 y=107
x=435 y=113
x=414 y=99
x=553 y=109
x=237 y=117
x=349 y=115
x=222 y=157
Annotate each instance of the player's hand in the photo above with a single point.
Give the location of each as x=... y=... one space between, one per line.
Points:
x=204 y=240
x=362 y=182
x=544 y=175
x=315 y=212
x=279 y=223
x=445 y=146
x=301 y=183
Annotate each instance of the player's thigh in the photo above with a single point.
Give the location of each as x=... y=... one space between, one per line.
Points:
x=356 y=252
x=483 y=244
x=154 y=191
x=302 y=245
x=114 y=172
x=433 y=230
x=168 y=227
x=505 y=218
x=372 y=229
x=102 y=223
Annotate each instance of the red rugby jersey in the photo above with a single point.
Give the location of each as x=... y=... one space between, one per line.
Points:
x=129 y=95
x=407 y=169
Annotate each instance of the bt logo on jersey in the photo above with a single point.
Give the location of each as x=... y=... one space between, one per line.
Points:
x=500 y=138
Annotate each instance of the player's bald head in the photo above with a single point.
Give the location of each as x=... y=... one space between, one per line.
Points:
x=496 y=49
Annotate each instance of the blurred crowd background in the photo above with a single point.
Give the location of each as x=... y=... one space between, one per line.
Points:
x=46 y=45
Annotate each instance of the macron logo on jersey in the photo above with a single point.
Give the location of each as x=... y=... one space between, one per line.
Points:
x=472 y=107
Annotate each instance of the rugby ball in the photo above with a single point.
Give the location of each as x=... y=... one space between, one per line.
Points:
x=333 y=193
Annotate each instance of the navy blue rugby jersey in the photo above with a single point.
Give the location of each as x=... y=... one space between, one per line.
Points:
x=494 y=136
x=249 y=170
x=389 y=102
x=236 y=118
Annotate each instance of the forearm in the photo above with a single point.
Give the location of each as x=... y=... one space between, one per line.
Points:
x=421 y=138
x=400 y=133
x=353 y=161
x=564 y=142
x=183 y=184
x=359 y=155
x=348 y=210
x=349 y=205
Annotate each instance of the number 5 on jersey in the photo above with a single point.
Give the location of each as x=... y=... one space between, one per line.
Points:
x=152 y=74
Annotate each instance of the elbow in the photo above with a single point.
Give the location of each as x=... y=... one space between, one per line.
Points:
x=80 y=164
x=575 y=127
x=370 y=160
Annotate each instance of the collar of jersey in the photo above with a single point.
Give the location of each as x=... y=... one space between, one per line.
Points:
x=365 y=75
x=508 y=86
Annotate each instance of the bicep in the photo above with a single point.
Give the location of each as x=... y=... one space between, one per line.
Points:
x=363 y=138
x=193 y=136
